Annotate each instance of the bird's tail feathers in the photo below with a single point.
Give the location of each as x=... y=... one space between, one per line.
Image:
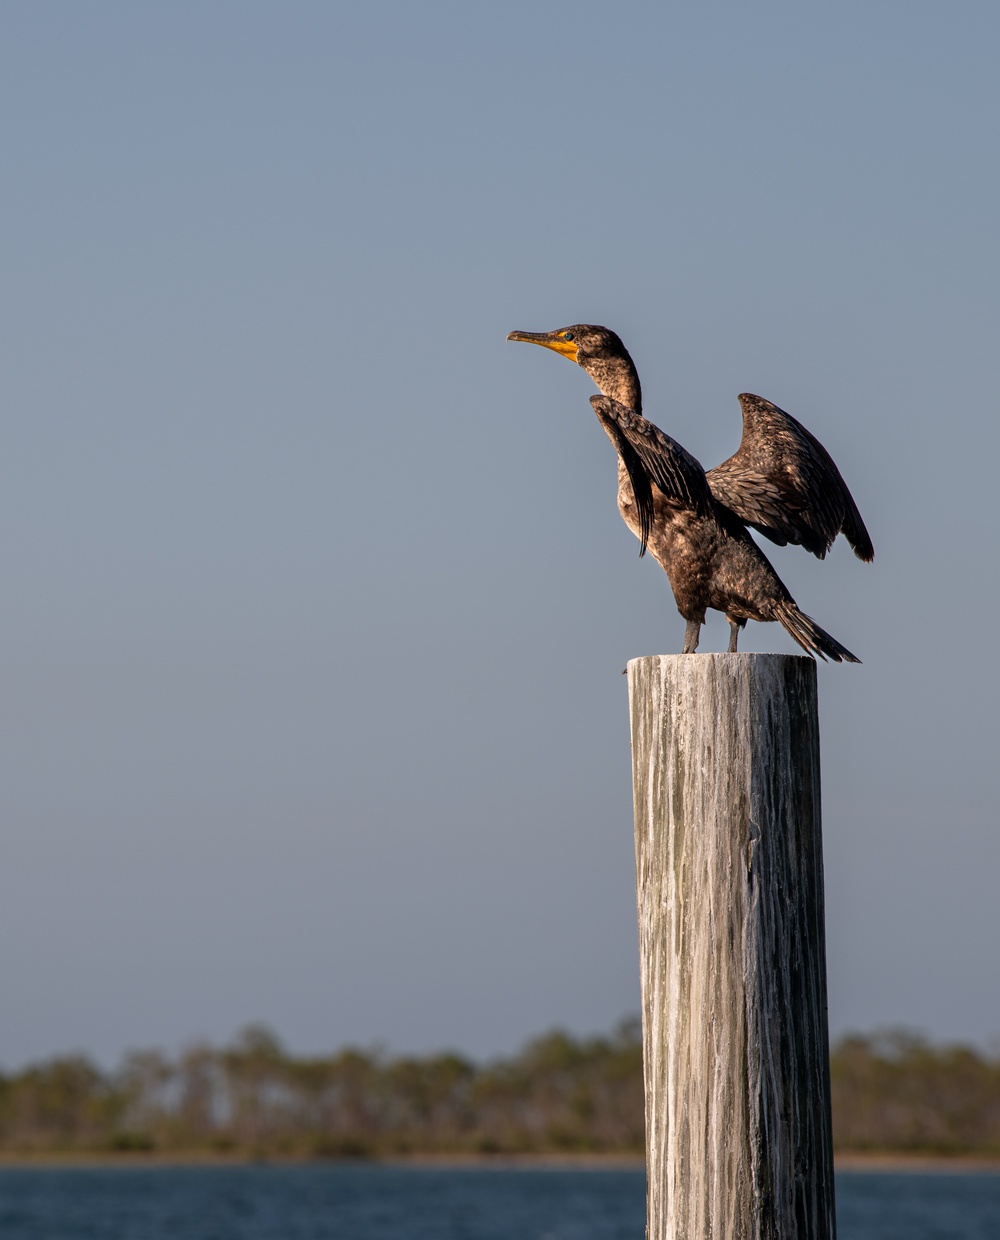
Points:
x=810 y=636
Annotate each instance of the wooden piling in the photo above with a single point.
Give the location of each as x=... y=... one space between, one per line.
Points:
x=729 y=879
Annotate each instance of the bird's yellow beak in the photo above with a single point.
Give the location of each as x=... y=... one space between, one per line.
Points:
x=548 y=340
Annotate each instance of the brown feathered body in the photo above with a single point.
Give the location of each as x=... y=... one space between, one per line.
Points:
x=711 y=562
x=709 y=557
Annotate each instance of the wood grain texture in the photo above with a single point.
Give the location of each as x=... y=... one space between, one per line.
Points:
x=729 y=879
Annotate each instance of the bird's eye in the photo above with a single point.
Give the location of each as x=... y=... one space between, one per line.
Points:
x=567 y=335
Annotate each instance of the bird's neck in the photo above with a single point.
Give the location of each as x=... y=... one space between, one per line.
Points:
x=617 y=378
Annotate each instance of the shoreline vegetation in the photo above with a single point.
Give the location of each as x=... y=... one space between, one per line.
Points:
x=849 y=1161
x=899 y=1103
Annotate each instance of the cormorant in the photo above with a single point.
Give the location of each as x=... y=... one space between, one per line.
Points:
x=781 y=481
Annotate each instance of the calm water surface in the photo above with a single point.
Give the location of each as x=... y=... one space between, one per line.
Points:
x=381 y=1203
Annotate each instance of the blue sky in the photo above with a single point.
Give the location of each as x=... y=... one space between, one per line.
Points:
x=316 y=594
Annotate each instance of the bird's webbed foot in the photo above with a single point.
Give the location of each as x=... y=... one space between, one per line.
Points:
x=691 y=636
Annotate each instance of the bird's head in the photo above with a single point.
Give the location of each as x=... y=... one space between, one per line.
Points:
x=580 y=343
x=601 y=354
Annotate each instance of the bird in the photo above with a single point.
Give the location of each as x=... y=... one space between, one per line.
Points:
x=781 y=482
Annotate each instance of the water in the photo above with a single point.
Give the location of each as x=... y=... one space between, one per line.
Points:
x=383 y=1203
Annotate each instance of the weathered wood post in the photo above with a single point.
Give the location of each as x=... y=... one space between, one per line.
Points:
x=729 y=878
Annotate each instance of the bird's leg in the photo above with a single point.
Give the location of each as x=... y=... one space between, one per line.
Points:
x=734 y=635
x=691 y=635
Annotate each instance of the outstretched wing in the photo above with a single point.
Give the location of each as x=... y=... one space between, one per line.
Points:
x=784 y=483
x=651 y=457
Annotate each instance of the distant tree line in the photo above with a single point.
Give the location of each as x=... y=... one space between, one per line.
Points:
x=559 y=1095
x=898 y=1092
x=253 y=1098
